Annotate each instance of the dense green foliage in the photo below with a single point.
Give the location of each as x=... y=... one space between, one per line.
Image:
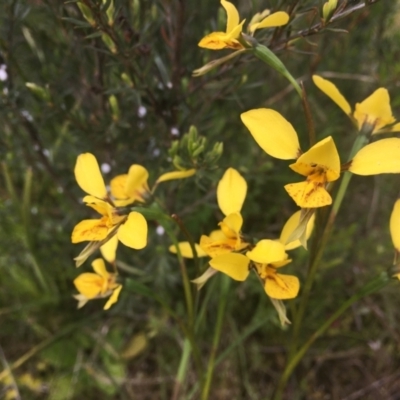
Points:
x=128 y=102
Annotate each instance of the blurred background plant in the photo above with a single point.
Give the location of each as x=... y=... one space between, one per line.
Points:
x=114 y=78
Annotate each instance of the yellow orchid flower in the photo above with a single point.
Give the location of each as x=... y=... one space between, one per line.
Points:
x=321 y=164
x=223 y=245
x=229 y=38
x=226 y=240
x=268 y=256
x=130 y=229
x=97 y=285
x=130 y=187
x=374 y=111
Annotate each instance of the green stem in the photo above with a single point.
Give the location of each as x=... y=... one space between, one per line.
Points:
x=217 y=335
x=185 y=278
x=183 y=368
x=371 y=287
x=268 y=57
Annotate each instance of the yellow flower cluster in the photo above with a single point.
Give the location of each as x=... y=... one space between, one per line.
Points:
x=115 y=224
x=234 y=256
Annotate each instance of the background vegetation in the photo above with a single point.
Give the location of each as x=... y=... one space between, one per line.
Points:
x=133 y=350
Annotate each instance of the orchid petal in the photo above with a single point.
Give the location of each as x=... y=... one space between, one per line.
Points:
x=267 y=252
x=89 y=229
x=375 y=110
x=381 y=157
x=273 y=133
x=88 y=176
x=99 y=267
x=232 y=16
x=332 y=92
x=282 y=287
x=308 y=194
x=168 y=176
x=113 y=298
x=133 y=233
x=109 y=249
x=234 y=265
x=89 y=284
x=322 y=154
x=231 y=192
x=276 y=19
x=136 y=182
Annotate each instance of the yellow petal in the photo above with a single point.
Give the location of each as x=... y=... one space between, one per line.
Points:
x=101 y=206
x=99 y=267
x=117 y=186
x=168 y=176
x=133 y=233
x=201 y=280
x=308 y=194
x=231 y=225
x=395 y=225
x=381 y=157
x=282 y=287
x=136 y=182
x=375 y=110
x=217 y=235
x=332 y=91
x=214 y=41
x=231 y=191
x=267 y=252
x=323 y=154
x=291 y=224
x=88 y=176
x=276 y=19
x=109 y=249
x=113 y=298
x=232 y=15
x=234 y=265
x=89 y=229
x=273 y=133
x=214 y=248
x=89 y=284
x=186 y=250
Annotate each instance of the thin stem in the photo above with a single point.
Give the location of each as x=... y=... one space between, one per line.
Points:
x=185 y=278
x=217 y=335
x=183 y=368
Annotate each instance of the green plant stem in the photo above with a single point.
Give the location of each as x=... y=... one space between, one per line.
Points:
x=371 y=287
x=217 y=335
x=183 y=368
x=185 y=277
